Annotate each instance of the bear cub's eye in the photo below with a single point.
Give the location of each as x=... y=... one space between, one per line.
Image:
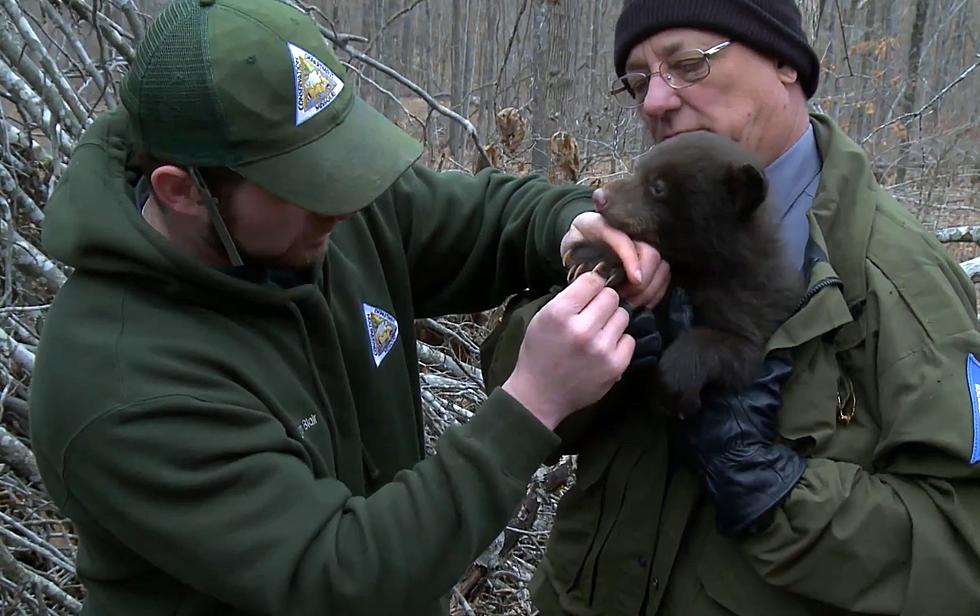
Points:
x=658 y=188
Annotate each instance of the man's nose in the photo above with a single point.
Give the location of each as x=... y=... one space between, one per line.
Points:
x=599 y=198
x=660 y=99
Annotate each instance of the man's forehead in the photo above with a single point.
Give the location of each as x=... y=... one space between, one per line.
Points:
x=662 y=45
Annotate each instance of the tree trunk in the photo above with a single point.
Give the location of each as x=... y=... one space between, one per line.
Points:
x=553 y=73
x=458 y=75
x=912 y=88
x=811 y=11
x=539 y=88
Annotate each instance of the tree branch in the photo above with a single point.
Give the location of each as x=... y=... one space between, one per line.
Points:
x=342 y=44
x=922 y=110
x=972 y=269
x=959 y=234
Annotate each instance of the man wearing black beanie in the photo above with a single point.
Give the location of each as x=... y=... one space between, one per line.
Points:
x=851 y=486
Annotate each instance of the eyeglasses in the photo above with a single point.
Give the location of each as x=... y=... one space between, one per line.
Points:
x=683 y=69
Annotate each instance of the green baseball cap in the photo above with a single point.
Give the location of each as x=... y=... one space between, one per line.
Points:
x=251 y=85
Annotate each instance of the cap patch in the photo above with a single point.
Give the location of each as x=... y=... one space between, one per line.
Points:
x=316 y=85
x=382 y=332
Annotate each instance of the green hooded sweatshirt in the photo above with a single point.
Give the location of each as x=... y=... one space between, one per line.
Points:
x=227 y=445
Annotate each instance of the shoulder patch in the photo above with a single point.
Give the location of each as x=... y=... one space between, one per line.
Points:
x=382 y=331
x=316 y=85
x=973 y=382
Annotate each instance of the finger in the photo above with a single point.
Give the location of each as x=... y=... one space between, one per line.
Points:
x=649 y=260
x=613 y=329
x=655 y=290
x=577 y=295
x=602 y=307
x=625 y=249
x=661 y=282
x=624 y=352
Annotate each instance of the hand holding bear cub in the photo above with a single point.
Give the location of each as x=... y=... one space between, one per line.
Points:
x=701 y=200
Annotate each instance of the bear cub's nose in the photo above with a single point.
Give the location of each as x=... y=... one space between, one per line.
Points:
x=599 y=199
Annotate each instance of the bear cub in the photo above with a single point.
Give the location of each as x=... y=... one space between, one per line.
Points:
x=701 y=200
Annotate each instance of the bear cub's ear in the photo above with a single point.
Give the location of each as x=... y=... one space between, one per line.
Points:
x=748 y=188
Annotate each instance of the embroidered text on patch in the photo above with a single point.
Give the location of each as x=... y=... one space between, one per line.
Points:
x=382 y=331
x=316 y=85
x=973 y=385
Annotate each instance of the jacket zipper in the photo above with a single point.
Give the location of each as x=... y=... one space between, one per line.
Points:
x=833 y=281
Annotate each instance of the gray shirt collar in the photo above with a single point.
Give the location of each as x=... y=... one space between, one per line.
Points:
x=793 y=180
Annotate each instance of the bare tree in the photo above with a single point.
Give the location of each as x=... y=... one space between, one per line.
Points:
x=900 y=76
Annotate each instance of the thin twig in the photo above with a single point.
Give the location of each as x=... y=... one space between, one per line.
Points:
x=932 y=101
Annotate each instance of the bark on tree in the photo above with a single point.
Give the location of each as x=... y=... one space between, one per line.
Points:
x=912 y=87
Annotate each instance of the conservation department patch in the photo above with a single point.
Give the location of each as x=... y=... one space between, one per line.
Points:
x=973 y=382
x=382 y=332
x=316 y=85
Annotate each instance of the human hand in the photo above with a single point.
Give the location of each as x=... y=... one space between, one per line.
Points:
x=647 y=275
x=733 y=443
x=573 y=352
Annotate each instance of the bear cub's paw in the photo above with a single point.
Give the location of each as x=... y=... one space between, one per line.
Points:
x=587 y=256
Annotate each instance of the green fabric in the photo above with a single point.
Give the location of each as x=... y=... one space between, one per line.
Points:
x=231 y=84
x=227 y=446
x=886 y=519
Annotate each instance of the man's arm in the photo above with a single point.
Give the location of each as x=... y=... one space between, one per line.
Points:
x=218 y=496
x=220 y=499
x=904 y=536
x=473 y=240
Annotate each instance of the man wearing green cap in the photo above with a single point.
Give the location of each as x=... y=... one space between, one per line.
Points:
x=847 y=479
x=226 y=400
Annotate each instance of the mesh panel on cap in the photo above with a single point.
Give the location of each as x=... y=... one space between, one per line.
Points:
x=170 y=88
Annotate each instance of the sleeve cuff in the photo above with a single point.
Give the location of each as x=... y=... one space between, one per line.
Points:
x=568 y=213
x=517 y=439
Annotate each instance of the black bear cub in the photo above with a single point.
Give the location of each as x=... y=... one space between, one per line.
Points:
x=701 y=200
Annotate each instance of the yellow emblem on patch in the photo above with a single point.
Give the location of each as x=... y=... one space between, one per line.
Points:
x=316 y=85
x=382 y=332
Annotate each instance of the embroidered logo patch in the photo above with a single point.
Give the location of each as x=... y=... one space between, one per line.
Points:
x=382 y=331
x=973 y=382
x=316 y=85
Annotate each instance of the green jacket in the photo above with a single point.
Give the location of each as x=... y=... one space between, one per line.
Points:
x=227 y=445
x=886 y=519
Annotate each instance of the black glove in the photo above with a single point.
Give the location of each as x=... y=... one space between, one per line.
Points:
x=649 y=343
x=732 y=441
x=651 y=339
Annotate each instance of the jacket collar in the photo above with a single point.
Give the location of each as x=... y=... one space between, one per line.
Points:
x=844 y=206
x=840 y=229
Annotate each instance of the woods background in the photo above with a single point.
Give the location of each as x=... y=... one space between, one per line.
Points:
x=519 y=84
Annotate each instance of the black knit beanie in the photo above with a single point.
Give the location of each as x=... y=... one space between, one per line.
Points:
x=771 y=27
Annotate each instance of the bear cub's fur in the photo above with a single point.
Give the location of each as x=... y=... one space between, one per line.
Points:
x=701 y=200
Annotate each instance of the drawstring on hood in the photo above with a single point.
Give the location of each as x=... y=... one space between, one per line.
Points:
x=219 y=223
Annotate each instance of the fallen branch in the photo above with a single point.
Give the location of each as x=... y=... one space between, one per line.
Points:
x=972 y=269
x=18 y=456
x=435 y=358
x=36 y=47
x=24 y=578
x=959 y=234
x=108 y=28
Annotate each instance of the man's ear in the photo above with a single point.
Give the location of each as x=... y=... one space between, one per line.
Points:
x=174 y=190
x=786 y=73
x=748 y=187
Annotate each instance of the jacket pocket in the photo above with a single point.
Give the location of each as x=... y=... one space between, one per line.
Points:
x=808 y=417
x=826 y=412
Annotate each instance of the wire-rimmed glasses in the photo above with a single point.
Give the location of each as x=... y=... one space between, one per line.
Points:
x=682 y=69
